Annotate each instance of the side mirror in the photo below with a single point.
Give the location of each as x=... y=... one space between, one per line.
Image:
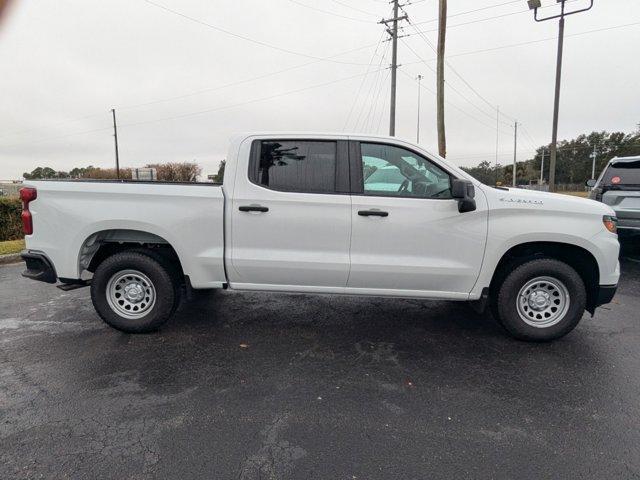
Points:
x=464 y=192
x=591 y=183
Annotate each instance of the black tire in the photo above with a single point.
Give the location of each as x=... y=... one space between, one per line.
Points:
x=163 y=285
x=506 y=308
x=173 y=270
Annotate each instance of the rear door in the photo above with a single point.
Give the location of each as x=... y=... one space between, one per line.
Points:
x=291 y=216
x=408 y=237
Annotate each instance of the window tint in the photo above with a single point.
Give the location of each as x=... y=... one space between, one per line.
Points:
x=296 y=166
x=394 y=171
x=623 y=173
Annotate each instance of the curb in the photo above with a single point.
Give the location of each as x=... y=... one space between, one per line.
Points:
x=10 y=258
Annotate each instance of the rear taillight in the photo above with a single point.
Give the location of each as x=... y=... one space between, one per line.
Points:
x=27 y=195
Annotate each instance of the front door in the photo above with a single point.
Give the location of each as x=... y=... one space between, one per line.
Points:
x=408 y=237
x=291 y=217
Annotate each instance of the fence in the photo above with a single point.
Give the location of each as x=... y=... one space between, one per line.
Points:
x=9 y=189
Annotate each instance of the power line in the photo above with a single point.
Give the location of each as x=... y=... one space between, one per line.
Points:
x=378 y=103
x=310 y=7
x=471 y=11
x=531 y=42
x=428 y=42
x=64 y=122
x=464 y=112
x=261 y=99
x=61 y=136
x=450 y=85
x=384 y=102
x=200 y=112
x=375 y=100
x=486 y=8
x=240 y=82
x=243 y=37
x=365 y=100
x=357 y=95
x=355 y=9
x=186 y=95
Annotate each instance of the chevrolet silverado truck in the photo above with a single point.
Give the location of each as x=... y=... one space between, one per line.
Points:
x=325 y=214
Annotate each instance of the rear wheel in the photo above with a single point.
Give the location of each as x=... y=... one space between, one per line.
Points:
x=134 y=292
x=540 y=300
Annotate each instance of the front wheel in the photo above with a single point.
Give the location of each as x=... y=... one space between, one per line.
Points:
x=541 y=300
x=133 y=292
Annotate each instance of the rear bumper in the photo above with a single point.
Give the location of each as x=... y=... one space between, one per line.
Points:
x=39 y=267
x=605 y=294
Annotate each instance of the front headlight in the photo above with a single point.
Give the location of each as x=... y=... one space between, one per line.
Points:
x=610 y=223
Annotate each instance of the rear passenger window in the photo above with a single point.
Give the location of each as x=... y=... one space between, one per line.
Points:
x=294 y=165
x=623 y=172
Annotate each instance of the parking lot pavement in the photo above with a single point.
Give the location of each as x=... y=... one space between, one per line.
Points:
x=253 y=385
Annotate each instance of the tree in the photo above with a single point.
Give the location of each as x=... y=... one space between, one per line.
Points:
x=486 y=172
x=574 y=160
x=177 y=172
x=40 y=173
x=219 y=177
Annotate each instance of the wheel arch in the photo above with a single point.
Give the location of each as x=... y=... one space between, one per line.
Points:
x=104 y=243
x=577 y=257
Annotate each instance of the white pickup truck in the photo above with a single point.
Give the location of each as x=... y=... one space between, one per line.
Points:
x=330 y=214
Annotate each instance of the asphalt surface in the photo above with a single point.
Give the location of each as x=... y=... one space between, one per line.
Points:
x=270 y=386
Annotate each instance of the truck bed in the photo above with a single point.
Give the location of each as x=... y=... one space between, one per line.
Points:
x=73 y=216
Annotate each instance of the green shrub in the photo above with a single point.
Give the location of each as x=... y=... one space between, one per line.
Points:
x=10 y=222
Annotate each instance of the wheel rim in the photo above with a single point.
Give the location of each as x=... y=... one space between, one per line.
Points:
x=131 y=294
x=543 y=302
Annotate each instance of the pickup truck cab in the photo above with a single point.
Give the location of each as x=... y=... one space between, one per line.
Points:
x=327 y=214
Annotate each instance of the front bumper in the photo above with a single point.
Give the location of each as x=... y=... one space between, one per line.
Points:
x=39 y=267
x=605 y=294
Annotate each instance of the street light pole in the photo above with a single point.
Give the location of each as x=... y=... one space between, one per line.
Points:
x=515 y=152
x=420 y=77
x=553 y=148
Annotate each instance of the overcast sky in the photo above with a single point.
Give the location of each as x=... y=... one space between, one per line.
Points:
x=181 y=86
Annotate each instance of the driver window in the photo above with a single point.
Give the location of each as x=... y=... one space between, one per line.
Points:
x=396 y=172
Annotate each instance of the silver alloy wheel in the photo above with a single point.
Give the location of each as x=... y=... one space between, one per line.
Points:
x=130 y=294
x=543 y=302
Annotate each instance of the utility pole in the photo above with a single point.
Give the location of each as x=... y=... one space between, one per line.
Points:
x=542 y=168
x=535 y=5
x=115 y=136
x=515 y=151
x=556 y=108
x=594 y=155
x=393 y=32
x=442 y=36
x=420 y=77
